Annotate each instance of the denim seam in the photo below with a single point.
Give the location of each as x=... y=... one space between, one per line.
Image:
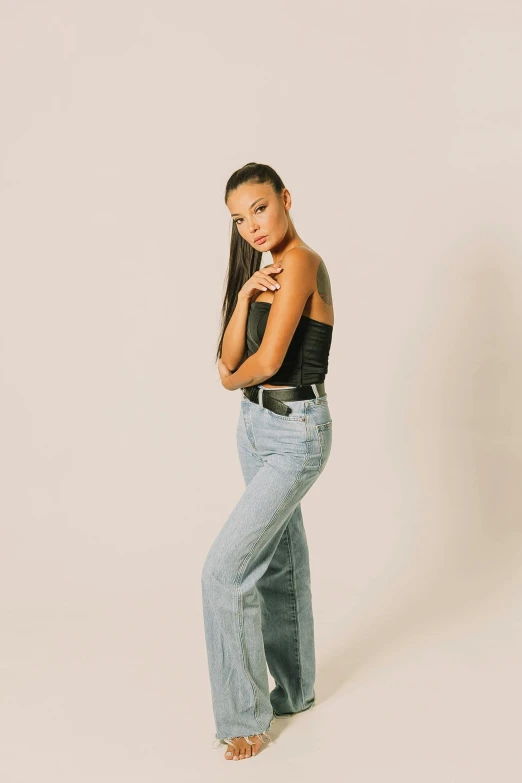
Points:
x=320 y=447
x=296 y=614
x=320 y=428
x=241 y=571
x=282 y=417
x=243 y=654
x=250 y=428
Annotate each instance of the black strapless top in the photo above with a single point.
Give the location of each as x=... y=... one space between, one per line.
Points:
x=306 y=359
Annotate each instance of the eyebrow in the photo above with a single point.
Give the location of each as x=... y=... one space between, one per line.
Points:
x=235 y=214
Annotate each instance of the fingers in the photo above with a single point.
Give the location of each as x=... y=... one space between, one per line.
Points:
x=263 y=276
x=262 y=280
x=270 y=284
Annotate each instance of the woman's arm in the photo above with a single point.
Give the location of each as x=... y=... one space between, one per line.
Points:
x=234 y=339
x=298 y=283
x=254 y=370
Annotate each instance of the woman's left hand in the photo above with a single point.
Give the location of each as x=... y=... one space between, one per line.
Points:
x=224 y=372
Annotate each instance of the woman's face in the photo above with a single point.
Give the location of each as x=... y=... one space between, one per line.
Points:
x=259 y=212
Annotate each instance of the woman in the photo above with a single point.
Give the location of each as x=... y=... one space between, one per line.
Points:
x=277 y=325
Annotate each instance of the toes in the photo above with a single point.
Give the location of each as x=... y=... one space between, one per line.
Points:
x=230 y=751
x=243 y=747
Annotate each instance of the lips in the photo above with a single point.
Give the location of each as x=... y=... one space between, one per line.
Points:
x=260 y=240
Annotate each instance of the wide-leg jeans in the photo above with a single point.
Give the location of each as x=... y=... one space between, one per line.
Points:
x=256 y=589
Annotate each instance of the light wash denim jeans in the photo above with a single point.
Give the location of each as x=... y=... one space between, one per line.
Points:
x=257 y=601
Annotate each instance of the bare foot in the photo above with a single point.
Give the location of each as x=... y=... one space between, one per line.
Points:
x=239 y=748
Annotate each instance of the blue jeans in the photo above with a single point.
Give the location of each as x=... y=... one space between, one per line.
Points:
x=257 y=601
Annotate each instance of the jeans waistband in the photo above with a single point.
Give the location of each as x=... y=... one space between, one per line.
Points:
x=275 y=399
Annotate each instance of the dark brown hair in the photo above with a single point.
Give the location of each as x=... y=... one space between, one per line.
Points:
x=244 y=259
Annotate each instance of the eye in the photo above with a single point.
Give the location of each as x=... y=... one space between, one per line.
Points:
x=261 y=206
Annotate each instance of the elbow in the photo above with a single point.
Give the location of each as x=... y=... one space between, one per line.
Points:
x=232 y=366
x=267 y=365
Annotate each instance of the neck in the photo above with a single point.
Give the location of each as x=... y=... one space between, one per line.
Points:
x=291 y=239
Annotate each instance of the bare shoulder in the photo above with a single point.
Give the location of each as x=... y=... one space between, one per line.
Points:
x=301 y=255
x=299 y=265
x=317 y=267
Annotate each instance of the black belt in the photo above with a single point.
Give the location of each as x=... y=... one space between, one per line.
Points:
x=273 y=398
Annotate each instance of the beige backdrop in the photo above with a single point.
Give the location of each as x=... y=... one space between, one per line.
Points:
x=397 y=129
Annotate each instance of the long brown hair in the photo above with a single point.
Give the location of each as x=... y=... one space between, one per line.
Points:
x=244 y=259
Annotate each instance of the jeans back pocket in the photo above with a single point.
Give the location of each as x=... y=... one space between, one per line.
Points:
x=324 y=434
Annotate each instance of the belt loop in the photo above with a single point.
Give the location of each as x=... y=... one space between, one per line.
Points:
x=314 y=387
x=260 y=396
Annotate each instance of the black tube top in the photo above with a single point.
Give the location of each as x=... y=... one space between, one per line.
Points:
x=306 y=359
